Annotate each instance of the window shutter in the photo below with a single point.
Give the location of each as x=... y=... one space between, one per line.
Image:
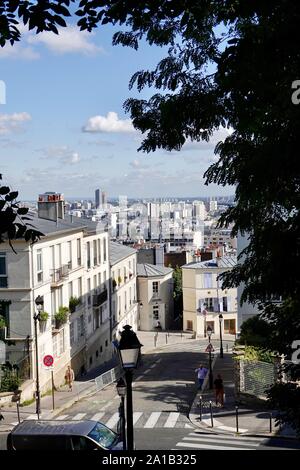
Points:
x=229 y=306
x=216 y=305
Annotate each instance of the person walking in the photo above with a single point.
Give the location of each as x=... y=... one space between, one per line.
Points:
x=219 y=389
x=201 y=373
x=69 y=378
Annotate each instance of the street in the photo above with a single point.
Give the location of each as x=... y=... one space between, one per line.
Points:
x=164 y=387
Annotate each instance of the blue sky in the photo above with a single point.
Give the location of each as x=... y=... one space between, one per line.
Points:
x=63 y=127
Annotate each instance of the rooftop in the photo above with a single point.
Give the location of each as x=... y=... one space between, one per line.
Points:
x=119 y=252
x=151 y=270
x=69 y=223
x=224 y=262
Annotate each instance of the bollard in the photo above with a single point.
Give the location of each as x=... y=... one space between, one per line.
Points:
x=237 y=418
x=200 y=405
x=226 y=347
x=166 y=339
x=181 y=335
x=18 y=410
x=211 y=414
x=270 y=422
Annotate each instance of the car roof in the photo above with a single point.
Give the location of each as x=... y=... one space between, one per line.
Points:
x=52 y=427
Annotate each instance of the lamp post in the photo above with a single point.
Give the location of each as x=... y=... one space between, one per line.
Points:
x=121 y=389
x=209 y=333
x=129 y=352
x=221 y=342
x=39 y=302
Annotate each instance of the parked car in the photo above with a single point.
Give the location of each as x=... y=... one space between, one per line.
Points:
x=63 y=435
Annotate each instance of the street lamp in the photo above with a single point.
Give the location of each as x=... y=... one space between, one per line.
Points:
x=121 y=389
x=221 y=342
x=129 y=352
x=39 y=302
x=209 y=333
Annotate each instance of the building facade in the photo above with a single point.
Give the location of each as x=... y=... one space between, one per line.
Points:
x=204 y=299
x=124 y=307
x=155 y=296
x=70 y=261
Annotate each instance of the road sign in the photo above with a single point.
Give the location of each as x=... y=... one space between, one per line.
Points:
x=48 y=360
x=209 y=348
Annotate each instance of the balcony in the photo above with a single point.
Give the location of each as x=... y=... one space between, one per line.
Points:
x=58 y=275
x=99 y=299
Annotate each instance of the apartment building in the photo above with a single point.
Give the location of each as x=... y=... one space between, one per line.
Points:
x=204 y=298
x=70 y=261
x=155 y=296
x=124 y=305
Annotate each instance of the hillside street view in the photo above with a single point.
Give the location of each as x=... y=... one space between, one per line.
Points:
x=149 y=226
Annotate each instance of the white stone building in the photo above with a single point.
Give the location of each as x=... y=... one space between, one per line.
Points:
x=155 y=296
x=204 y=299
x=124 y=305
x=70 y=260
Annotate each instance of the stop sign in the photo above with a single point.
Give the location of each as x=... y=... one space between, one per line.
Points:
x=48 y=360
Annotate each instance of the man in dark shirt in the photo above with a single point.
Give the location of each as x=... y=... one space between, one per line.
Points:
x=218 y=383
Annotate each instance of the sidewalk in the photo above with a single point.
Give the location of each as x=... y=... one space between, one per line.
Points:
x=250 y=421
x=85 y=386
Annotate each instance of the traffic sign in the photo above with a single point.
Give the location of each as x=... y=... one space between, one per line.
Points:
x=48 y=360
x=209 y=348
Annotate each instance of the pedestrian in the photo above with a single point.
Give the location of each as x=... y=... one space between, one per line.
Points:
x=1 y=416
x=201 y=373
x=69 y=378
x=219 y=389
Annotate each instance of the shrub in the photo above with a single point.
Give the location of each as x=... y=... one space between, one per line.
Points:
x=61 y=316
x=2 y=322
x=44 y=316
x=73 y=302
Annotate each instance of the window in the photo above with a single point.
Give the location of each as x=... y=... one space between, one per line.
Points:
x=70 y=289
x=106 y=343
x=99 y=279
x=52 y=251
x=4 y=312
x=80 y=327
x=88 y=255
x=3 y=272
x=155 y=312
x=95 y=281
x=209 y=304
x=78 y=252
x=155 y=288
x=61 y=341
x=70 y=255
x=72 y=335
x=225 y=304
x=125 y=305
x=55 y=345
x=89 y=292
x=208 y=280
x=99 y=251
x=210 y=324
x=95 y=252
x=229 y=327
x=104 y=251
x=80 y=287
x=39 y=266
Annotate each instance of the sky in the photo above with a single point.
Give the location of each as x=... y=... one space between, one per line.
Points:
x=63 y=127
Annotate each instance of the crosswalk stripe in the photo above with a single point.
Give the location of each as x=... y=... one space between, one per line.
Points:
x=223 y=436
x=207 y=446
x=62 y=417
x=112 y=421
x=136 y=416
x=172 y=419
x=97 y=416
x=33 y=416
x=78 y=416
x=152 y=419
x=222 y=441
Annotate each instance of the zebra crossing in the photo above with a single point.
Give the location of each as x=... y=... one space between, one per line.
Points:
x=200 y=441
x=141 y=419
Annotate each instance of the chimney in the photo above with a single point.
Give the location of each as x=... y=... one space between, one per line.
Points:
x=51 y=206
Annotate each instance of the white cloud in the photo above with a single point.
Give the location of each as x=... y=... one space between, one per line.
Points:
x=138 y=164
x=13 y=122
x=69 y=40
x=62 y=153
x=109 y=123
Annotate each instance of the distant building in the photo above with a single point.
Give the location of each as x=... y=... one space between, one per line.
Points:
x=97 y=198
x=204 y=299
x=213 y=205
x=155 y=296
x=124 y=288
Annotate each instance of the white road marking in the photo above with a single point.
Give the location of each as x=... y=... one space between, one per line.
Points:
x=106 y=406
x=136 y=416
x=172 y=419
x=97 y=416
x=229 y=428
x=222 y=441
x=205 y=446
x=112 y=421
x=78 y=416
x=33 y=416
x=152 y=419
x=62 y=417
